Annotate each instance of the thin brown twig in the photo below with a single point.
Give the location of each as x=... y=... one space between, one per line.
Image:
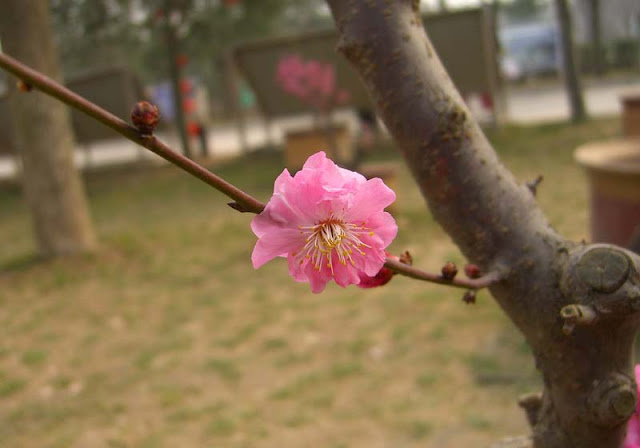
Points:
x=477 y=283
x=243 y=201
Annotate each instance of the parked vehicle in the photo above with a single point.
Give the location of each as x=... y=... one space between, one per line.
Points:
x=529 y=50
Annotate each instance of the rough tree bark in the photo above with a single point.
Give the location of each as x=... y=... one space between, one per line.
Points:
x=43 y=137
x=578 y=305
x=598 y=65
x=570 y=74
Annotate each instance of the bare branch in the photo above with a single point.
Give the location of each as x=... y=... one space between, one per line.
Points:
x=56 y=90
x=478 y=283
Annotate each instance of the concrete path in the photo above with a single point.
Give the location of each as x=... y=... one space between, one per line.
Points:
x=529 y=105
x=526 y=105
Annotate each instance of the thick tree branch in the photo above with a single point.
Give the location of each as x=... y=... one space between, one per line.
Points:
x=474 y=198
x=589 y=388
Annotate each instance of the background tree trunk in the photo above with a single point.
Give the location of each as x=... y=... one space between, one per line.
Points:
x=596 y=38
x=174 y=77
x=43 y=136
x=570 y=74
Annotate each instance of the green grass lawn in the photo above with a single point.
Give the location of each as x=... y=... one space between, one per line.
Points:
x=167 y=337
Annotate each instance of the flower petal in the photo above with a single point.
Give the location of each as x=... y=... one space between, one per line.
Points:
x=371 y=262
x=276 y=244
x=318 y=279
x=371 y=197
x=384 y=226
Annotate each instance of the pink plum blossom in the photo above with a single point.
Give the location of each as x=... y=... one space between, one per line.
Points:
x=632 y=440
x=312 y=82
x=328 y=222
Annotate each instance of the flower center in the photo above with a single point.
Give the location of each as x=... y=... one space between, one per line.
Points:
x=332 y=235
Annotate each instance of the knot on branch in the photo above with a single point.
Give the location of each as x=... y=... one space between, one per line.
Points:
x=531 y=403
x=612 y=400
x=600 y=282
x=603 y=269
x=354 y=51
x=577 y=315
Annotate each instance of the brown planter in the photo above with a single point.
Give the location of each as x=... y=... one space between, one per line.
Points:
x=337 y=142
x=613 y=169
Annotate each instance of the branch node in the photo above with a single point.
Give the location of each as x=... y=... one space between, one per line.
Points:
x=531 y=403
x=533 y=185
x=575 y=314
x=612 y=400
x=406 y=258
x=24 y=86
x=239 y=207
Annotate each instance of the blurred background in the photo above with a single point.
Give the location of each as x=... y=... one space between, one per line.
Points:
x=159 y=333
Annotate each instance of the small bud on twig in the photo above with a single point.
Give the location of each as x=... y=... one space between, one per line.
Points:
x=472 y=271
x=449 y=270
x=145 y=117
x=24 y=86
x=533 y=185
x=469 y=297
x=406 y=258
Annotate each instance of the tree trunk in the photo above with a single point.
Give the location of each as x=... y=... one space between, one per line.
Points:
x=596 y=38
x=570 y=74
x=174 y=78
x=578 y=305
x=232 y=99
x=43 y=136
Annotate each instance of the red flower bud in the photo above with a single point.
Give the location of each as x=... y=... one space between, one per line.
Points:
x=469 y=297
x=472 y=271
x=449 y=271
x=383 y=277
x=145 y=117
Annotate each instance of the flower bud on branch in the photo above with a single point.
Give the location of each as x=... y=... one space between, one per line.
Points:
x=145 y=117
x=449 y=270
x=23 y=86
